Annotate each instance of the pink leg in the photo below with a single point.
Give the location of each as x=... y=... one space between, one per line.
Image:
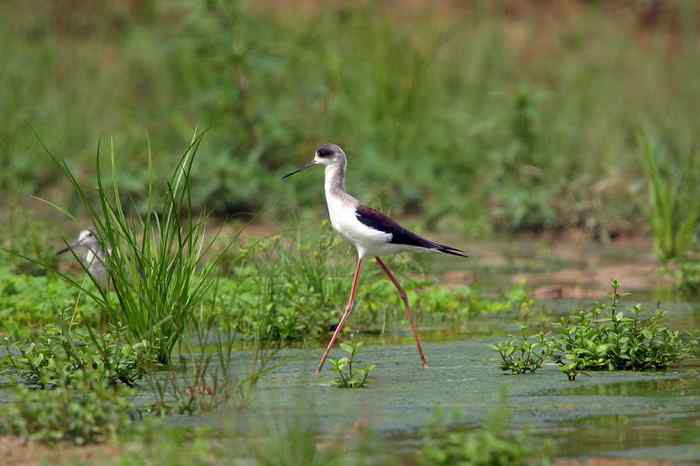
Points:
x=409 y=314
x=348 y=310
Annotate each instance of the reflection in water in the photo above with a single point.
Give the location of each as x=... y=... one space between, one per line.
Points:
x=604 y=435
x=614 y=433
x=688 y=385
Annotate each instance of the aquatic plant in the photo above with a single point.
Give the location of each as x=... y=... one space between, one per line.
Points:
x=605 y=337
x=523 y=354
x=87 y=411
x=348 y=373
x=60 y=353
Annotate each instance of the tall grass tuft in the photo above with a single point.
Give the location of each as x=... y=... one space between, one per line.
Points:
x=674 y=210
x=156 y=262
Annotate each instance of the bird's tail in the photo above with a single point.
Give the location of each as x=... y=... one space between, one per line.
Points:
x=444 y=249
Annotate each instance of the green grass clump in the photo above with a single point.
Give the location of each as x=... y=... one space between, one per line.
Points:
x=349 y=374
x=156 y=268
x=605 y=337
x=85 y=412
x=674 y=211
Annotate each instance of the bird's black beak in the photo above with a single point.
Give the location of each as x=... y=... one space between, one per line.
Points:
x=308 y=165
x=68 y=248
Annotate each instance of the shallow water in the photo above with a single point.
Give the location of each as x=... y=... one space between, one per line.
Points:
x=653 y=415
x=602 y=414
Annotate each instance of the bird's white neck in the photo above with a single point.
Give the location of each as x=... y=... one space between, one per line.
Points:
x=335 y=179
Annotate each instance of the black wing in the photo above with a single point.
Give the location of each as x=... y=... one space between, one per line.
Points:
x=399 y=235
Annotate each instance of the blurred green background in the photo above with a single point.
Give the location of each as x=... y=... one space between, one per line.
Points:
x=478 y=116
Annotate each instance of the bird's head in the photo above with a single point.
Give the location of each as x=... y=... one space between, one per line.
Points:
x=86 y=238
x=326 y=154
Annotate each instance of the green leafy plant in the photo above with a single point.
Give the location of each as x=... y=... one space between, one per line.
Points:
x=348 y=374
x=490 y=445
x=674 y=212
x=605 y=337
x=524 y=354
x=87 y=411
x=156 y=262
x=61 y=352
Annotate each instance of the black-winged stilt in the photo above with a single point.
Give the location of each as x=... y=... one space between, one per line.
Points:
x=372 y=233
x=94 y=256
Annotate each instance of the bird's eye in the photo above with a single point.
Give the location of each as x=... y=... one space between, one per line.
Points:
x=324 y=152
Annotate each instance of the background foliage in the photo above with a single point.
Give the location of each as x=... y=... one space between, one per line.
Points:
x=475 y=114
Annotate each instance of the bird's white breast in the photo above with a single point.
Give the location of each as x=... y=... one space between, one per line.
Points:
x=368 y=241
x=342 y=209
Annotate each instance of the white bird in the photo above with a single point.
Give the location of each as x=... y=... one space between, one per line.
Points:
x=372 y=233
x=94 y=258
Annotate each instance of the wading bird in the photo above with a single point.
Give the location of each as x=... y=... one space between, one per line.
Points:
x=94 y=256
x=372 y=233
